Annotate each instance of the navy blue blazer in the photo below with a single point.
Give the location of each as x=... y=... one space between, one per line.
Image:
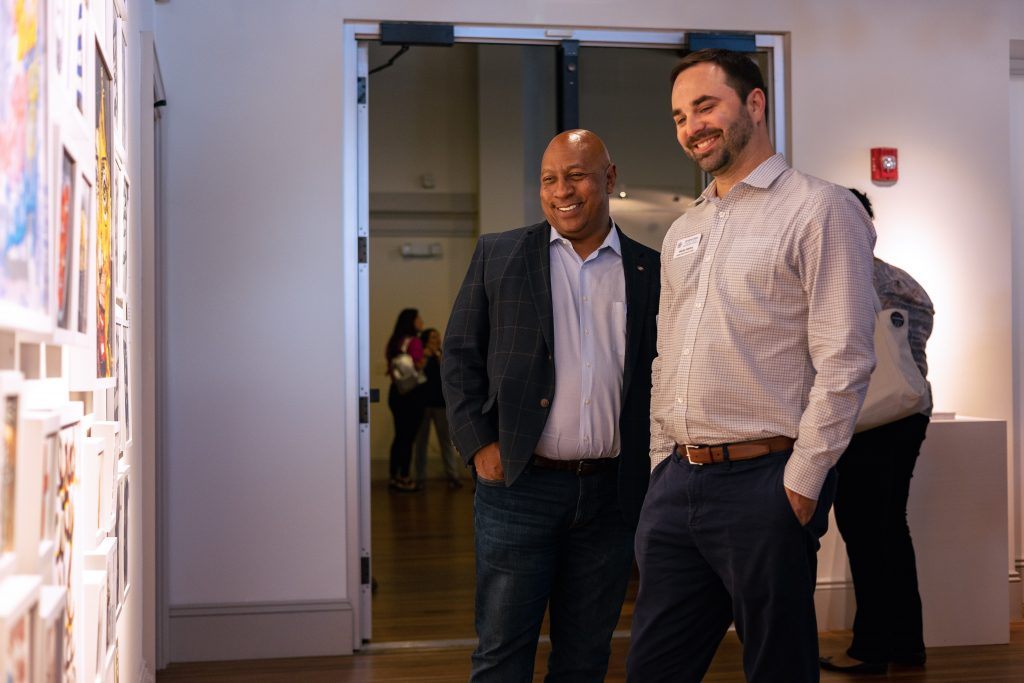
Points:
x=498 y=366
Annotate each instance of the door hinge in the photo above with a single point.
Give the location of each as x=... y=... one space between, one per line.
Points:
x=361 y=90
x=365 y=567
x=362 y=249
x=364 y=410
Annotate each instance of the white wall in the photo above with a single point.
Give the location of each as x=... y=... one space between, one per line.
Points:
x=254 y=214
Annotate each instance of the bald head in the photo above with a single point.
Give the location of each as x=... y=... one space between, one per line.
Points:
x=576 y=178
x=584 y=142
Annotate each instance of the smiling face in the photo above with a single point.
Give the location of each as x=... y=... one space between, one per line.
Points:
x=713 y=126
x=576 y=178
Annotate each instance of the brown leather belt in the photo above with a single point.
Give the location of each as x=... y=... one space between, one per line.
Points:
x=741 y=450
x=580 y=467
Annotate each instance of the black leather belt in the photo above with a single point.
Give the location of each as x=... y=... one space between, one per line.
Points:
x=580 y=467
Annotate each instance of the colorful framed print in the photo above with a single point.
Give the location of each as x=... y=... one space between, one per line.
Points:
x=10 y=385
x=104 y=215
x=24 y=164
x=19 y=604
x=65 y=238
x=84 y=252
x=64 y=569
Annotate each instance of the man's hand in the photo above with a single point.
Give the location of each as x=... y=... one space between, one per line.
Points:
x=803 y=507
x=487 y=463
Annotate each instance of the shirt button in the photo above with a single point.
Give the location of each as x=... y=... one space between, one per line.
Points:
x=587 y=402
x=707 y=259
x=686 y=352
x=544 y=403
x=699 y=304
x=679 y=399
x=723 y=214
x=586 y=298
x=586 y=332
x=588 y=363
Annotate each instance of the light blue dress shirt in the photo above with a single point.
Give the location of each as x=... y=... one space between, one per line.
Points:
x=588 y=300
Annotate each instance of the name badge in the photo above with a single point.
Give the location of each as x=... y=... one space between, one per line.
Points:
x=687 y=245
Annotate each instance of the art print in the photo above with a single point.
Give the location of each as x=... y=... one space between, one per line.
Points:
x=48 y=519
x=65 y=240
x=67 y=484
x=24 y=261
x=9 y=472
x=84 y=213
x=126 y=388
x=122 y=241
x=115 y=91
x=78 y=75
x=18 y=658
x=104 y=213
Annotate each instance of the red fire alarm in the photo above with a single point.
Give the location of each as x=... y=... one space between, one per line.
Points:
x=884 y=167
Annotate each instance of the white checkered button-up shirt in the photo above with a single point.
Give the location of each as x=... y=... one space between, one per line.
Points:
x=766 y=321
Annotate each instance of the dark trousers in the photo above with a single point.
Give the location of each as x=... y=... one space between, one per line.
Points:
x=556 y=541
x=871 y=513
x=717 y=544
x=407 y=410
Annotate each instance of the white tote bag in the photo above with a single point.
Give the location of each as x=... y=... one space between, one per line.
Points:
x=897 y=388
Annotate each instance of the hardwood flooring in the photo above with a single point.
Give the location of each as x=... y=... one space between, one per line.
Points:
x=423 y=615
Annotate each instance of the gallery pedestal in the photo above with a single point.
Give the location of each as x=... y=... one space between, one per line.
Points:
x=958 y=520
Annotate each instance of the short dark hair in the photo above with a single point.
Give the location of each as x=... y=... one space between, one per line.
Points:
x=741 y=72
x=865 y=202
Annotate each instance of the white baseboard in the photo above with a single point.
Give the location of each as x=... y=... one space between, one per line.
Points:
x=261 y=630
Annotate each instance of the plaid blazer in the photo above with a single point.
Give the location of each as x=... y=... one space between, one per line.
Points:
x=498 y=365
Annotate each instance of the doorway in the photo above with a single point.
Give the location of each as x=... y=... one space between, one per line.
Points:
x=449 y=150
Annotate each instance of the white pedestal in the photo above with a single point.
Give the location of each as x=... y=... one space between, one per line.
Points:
x=958 y=520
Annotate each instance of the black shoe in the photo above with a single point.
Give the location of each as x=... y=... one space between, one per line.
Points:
x=911 y=659
x=861 y=668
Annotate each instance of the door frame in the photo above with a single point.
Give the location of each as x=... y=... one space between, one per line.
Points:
x=355 y=244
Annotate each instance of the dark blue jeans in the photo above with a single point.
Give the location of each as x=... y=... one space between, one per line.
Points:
x=552 y=539
x=720 y=543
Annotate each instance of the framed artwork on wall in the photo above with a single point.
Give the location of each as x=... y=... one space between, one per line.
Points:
x=80 y=40
x=24 y=169
x=64 y=566
x=126 y=422
x=65 y=242
x=37 y=493
x=94 y=618
x=104 y=559
x=49 y=660
x=84 y=253
x=123 y=230
x=19 y=603
x=104 y=217
x=10 y=384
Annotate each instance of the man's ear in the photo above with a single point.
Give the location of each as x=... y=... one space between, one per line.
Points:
x=611 y=176
x=756 y=104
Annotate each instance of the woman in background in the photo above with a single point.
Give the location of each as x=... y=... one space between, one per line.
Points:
x=406 y=408
x=434 y=411
x=871 y=507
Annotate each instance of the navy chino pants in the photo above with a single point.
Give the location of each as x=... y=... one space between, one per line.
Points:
x=719 y=544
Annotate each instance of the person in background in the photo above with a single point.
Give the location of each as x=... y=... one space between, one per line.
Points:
x=871 y=506
x=765 y=348
x=434 y=412
x=547 y=362
x=406 y=408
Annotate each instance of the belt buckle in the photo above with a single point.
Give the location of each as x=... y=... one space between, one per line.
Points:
x=688 y=458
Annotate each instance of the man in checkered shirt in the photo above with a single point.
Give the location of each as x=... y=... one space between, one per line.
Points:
x=765 y=348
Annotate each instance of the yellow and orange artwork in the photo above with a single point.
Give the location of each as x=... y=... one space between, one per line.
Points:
x=104 y=286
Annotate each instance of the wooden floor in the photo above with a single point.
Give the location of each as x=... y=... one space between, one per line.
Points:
x=423 y=615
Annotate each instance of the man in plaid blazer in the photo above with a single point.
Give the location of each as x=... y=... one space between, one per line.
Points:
x=547 y=377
